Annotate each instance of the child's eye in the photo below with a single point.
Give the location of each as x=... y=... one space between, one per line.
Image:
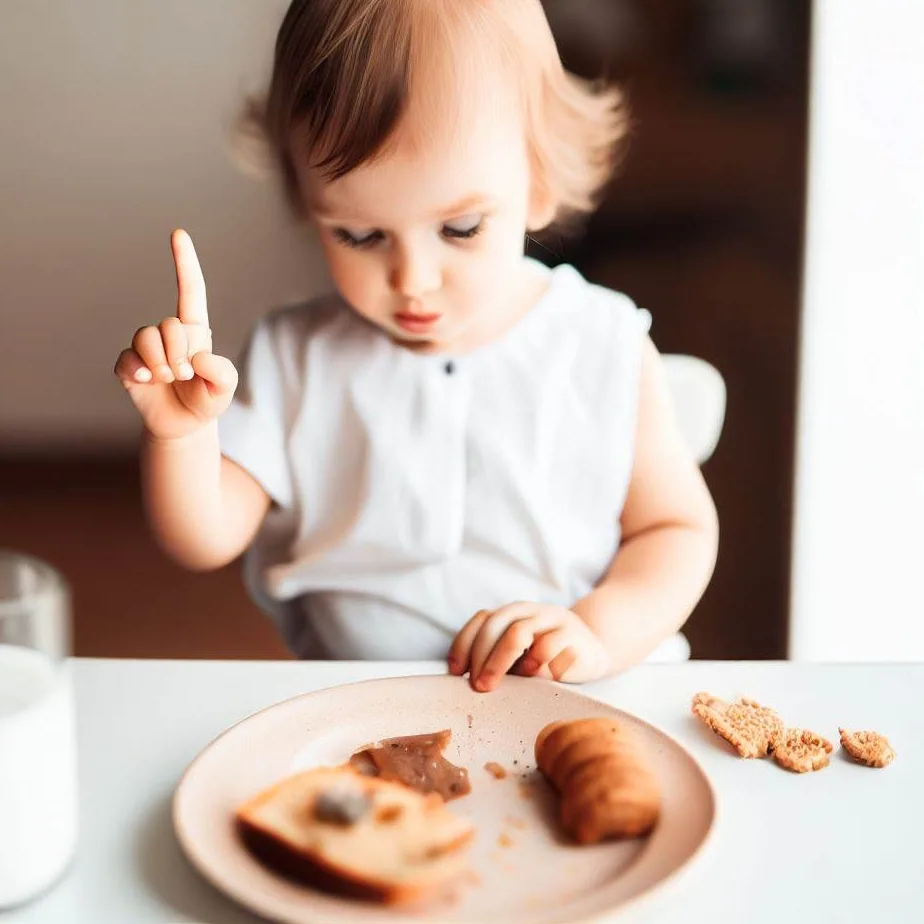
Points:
x=358 y=240
x=463 y=228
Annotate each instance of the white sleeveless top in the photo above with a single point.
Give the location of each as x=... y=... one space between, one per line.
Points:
x=413 y=490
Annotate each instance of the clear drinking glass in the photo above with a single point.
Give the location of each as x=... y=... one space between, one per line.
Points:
x=38 y=746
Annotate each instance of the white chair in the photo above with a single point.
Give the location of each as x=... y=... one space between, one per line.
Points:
x=699 y=395
x=698 y=390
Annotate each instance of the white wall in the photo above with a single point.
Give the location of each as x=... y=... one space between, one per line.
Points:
x=113 y=130
x=858 y=581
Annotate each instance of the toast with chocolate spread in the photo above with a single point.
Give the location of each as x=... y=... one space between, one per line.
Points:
x=356 y=835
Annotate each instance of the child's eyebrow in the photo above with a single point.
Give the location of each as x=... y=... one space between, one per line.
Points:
x=469 y=204
x=464 y=206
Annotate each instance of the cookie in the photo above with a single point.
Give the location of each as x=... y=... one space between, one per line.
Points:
x=747 y=726
x=802 y=751
x=867 y=747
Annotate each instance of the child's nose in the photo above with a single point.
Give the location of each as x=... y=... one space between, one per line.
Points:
x=415 y=274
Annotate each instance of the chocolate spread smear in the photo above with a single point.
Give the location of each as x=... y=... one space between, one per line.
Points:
x=417 y=761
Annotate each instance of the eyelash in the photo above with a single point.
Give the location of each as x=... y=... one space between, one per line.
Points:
x=452 y=234
x=344 y=237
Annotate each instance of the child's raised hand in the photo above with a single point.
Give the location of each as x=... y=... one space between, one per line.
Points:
x=170 y=373
x=534 y=639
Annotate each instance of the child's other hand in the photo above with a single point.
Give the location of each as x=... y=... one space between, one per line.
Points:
x=533 y=639
x=170 y=373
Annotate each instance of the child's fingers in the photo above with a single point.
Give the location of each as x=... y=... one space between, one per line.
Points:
x=505 y=653
x=517 y=639
x=562 y=663
x=131 y=370
x=149 y=345
x=571 y=654
x=210 y=392
x=546 y=650
x=461 y=649
x=218 y=373
x=491 y=632
x=198 y=338
x=176 y=346
x=191 y=307
x=530 y=670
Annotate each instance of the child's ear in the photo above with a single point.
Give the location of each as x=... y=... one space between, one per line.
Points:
x=542 y=207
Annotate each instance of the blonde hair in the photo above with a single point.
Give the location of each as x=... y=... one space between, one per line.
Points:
x=346 y=71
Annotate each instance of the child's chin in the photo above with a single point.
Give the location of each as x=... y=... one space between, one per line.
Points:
x=419 y=343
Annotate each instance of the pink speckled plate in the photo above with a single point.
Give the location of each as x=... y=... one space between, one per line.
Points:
x=526 y=873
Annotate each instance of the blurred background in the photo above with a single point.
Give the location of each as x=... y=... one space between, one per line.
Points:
x=115 y=124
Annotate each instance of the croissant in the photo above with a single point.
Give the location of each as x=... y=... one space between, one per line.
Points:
x=600 y=771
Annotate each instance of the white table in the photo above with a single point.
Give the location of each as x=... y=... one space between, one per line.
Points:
x=841 y=845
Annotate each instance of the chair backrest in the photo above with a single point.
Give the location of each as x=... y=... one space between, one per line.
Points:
x=699 y=395
x=698 y=390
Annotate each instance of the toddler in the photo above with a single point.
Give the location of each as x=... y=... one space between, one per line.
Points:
x=460 y=453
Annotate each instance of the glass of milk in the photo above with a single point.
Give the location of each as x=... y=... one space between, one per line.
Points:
x=38 y=748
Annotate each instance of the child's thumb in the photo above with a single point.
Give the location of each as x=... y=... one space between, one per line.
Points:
x=218 y=373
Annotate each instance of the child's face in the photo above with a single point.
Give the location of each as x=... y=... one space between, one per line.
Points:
x=427 y=242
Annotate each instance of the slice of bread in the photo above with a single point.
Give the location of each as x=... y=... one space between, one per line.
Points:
x=336 y=829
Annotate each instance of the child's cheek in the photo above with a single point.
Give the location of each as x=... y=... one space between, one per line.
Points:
x=353 y=277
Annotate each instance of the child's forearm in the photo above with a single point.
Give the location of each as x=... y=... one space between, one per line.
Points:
x=653 y=585
x=194 y=500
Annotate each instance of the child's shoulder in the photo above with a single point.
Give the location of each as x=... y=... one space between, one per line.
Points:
x=593 y=307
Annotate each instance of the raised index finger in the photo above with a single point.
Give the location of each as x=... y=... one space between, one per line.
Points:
x=191 y=306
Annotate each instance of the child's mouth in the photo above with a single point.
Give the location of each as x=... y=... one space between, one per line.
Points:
x=416 y=323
